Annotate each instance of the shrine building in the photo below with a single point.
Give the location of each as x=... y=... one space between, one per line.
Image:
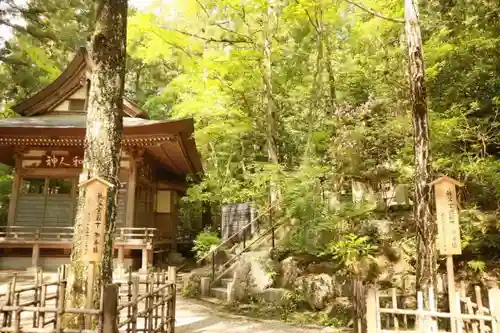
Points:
x=44 y=145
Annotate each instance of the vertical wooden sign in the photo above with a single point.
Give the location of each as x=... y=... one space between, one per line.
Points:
x=96 y=198
x=448 y=235
x=448 y=227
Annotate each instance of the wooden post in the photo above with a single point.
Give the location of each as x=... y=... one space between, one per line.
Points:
x=479 y=302
x=110 y=304
x=135 y=294
x=371 y=310
x=144 y=262
x=35 y=257
x=494 y=300
x=451 y=292
x=395 y=306
x=60 y=308
x=120 y=263
x=132 y=184
x=172 y=277
x=16 y=183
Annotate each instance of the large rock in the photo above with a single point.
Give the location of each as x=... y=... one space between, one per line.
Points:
x=290 y=270
x=254 y=273
x=317 y=290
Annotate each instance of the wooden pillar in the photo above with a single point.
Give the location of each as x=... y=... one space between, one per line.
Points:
x=135 y=159
x=16 y=183
x=120 y=263
x=145 y=260
x=35 y=258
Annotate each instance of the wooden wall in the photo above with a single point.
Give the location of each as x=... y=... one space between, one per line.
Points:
x=58 y=210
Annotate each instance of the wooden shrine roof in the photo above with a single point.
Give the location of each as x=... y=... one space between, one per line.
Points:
x=44 y=124
x=170 y=142
x=71 y=79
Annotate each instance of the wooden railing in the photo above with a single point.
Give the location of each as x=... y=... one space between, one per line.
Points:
x=65 y=234
x=394 y=311
x=135 y=305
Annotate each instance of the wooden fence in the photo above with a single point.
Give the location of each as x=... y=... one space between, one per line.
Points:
x=394 y=311
x=138 y=304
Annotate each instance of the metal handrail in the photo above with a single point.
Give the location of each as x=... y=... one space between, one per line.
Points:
x=214 y=250
x=262 y=235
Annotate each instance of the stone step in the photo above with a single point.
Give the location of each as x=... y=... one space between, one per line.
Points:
x=225 y=281
x=220 y=293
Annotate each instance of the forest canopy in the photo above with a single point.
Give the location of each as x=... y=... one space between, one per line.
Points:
x=323 y=80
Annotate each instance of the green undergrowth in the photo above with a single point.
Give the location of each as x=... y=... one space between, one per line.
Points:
x=292 y=313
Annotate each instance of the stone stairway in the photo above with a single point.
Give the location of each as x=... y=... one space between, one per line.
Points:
x=220 y=291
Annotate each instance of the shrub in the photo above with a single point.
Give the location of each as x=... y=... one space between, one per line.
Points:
x=204 y=241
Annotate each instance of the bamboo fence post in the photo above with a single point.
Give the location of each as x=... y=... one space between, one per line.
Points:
x=172 y=277
x=135 y=293
x=419 y=322
x=494 y=300
x=395 y=306
x=163 y=314
x=60 y=309
x=432 y=302
x=16 y=314
x=129 y=299
x=6 y=314
x=150 y=297
x=479 y=302
x=458 y=312
x=36 y=301
x=41 y=317
x=470 y=311
x=57 y=297
x=371 y=310
x=12 y=296
x=403 y=305
x=157 y=299
x=463 y=294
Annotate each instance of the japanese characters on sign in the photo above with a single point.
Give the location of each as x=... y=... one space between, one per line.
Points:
x=56 y=161
x=95 y=218
x=448 y=238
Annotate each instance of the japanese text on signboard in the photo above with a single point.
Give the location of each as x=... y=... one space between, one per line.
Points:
x=447 y=219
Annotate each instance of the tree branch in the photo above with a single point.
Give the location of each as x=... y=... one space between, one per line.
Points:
x=213 y=40
x=374 y=13
x=33 y=32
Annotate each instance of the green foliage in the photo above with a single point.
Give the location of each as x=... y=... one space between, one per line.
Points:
x=204 y=241
x=5 y=188
x=352 y=249
x=476 y=266
x=339 y=80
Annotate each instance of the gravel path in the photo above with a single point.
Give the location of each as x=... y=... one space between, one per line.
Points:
x=196 y=317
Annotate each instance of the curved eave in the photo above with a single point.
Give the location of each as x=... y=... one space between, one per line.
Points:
x=64 y=85
x=70 y=80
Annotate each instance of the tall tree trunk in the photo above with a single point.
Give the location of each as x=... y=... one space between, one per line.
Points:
x=102 y=143
x=269 y=103
x=316 y=88
x=426 y=233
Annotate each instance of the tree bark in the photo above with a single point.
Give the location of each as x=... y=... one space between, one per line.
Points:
x=102 y=143
x=426 y=230
x=269 y=103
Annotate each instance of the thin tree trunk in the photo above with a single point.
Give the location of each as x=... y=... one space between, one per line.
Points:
x=269 y=104
x=316 y=86
x=102 y=143
x=426 y=250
